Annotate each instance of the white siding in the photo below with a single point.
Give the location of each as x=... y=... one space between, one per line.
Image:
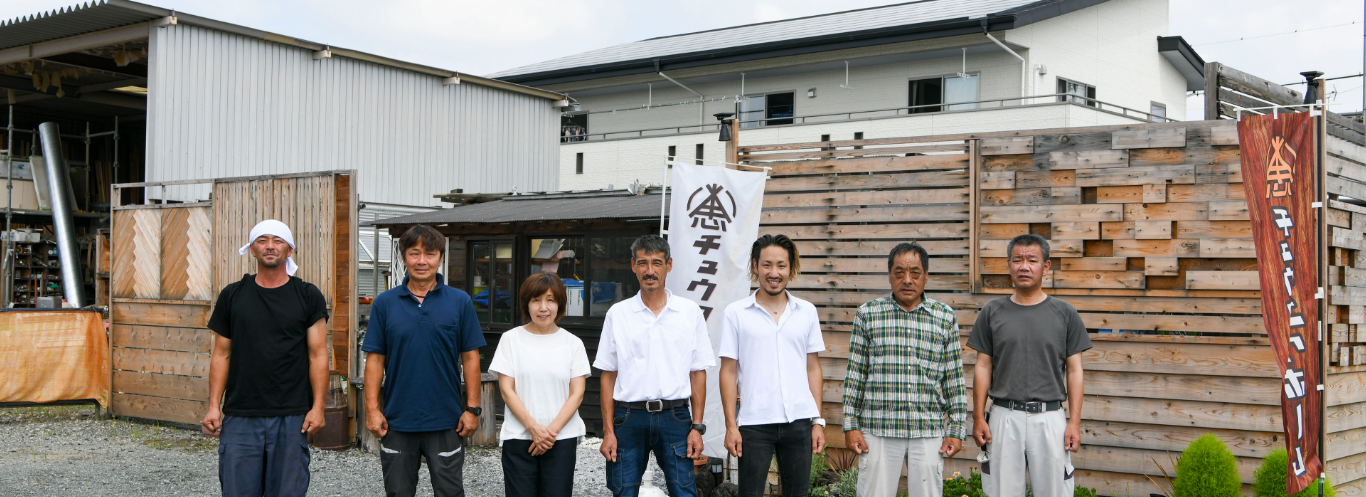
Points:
x=224 y=105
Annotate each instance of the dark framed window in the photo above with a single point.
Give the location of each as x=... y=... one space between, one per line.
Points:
x=959 y=92
x=578 y=163
x=573 y=127
x=699 y=154
x=564 y=256
x=926 y=92
x=673 y=154
x=1159 y=112
x=595 y=268
x=1076 y=92
x=492 y=279
x=773 y=109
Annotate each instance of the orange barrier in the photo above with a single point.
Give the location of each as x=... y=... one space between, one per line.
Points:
x=53 y=355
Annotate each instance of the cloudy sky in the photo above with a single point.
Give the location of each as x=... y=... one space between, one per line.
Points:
x=481 y=37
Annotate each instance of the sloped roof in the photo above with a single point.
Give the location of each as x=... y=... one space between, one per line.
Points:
x=549 y=207
x=920 y=19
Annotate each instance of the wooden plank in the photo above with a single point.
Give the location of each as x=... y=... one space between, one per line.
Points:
x=1119 y=194
x=179 y=315
x=1348 y=239
x=1213 y=229
x=1339 y=218
x=1160 y=266
x=1228 y=248
x=869 y=165
x=1076 y=231
x=1032 y=196
x=1228 y=210
x=937 y=265
x=846 y=231
x=162 y=338
x=1337 y=166
x=1346 y=295
x=888 y=197
x=1219 y=173
x=1155 y=193
x=1093 y=264
x=1342 y=186
x=1156 y=248
x=997 y=180
x=1152 y=230
x=863 y=150
x=1346 y=150
x=864 y=214
x=1045 y=179
x=878 y=248
x=944 y=282
x=1175 y=322
x=1052 y=213
x=1205 y=193
x=1353 y=277
x=1007 y=145
x=862 y=181
x=161 y=385
x=1224 y=135
x=175 y=254
x=1150 y=175
x=1222 y=280
x=1345 y=443
x=1148 y=138
x=160 y=361
x=136 y=246
x=1088 y=159
x=1098 y=279
x=1004 y=231
x=1345 y=388
x=1248 y=84
x=157 y=408
x=1172 y=211
x=1057 y=248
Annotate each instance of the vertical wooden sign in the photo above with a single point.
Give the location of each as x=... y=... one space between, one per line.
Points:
x=1279 y=166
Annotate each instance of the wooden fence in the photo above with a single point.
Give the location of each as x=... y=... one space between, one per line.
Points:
x=1150 y=241
x=170 y=260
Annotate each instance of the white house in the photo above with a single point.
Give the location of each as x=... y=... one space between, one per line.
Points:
x=916 y=68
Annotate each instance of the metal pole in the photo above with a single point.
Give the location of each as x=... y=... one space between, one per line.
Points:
x=59 y=190
x=374 y=268
x=115 y=178
x=8 y=285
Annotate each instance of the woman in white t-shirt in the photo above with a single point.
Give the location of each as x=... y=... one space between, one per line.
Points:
x=542 y=370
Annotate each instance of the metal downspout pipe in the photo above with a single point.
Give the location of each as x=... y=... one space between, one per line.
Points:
x=63 y=206
x=701 y=106
x=1024 y=64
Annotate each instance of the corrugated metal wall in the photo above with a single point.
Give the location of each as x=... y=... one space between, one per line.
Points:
x=224 y=105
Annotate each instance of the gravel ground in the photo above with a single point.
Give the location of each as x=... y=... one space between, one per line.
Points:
x=68 y=451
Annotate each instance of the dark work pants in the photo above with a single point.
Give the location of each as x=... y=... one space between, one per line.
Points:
x=791 y=442
x=263 y=457
x=548 y=475
x=401 y=453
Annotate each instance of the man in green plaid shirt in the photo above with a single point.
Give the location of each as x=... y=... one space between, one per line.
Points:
x=905 y=400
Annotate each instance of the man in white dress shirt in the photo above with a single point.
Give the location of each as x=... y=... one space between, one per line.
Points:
x=653 y=354
x=769 y=347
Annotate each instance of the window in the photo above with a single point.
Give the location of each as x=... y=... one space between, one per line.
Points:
x=673 y=155
x=573 y=128
x=565 y=258
x=773 y=109
x=1078 y=93
x=699 y=154
x=578 y=163
x=927 y=95
x=1159 y=112
x=492 y=280
x=611 y=280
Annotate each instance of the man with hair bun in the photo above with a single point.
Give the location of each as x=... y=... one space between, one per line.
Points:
x=420 y=334
x=769 y=346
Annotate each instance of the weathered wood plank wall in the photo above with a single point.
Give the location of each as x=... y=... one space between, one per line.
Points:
x=1345 y=165
x=1150 y=241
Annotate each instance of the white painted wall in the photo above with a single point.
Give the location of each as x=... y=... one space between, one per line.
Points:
x=620 y=162
x=1112 y=46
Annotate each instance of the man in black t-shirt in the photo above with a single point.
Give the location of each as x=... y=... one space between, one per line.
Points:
x=270 y=358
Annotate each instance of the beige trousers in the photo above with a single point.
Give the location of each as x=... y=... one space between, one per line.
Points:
x=879 y=471
x=1020 y=440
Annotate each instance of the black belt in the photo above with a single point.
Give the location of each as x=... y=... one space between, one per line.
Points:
x=1030 y=407
x=654 y=405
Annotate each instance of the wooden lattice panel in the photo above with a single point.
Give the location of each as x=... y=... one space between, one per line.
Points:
x=136 y=254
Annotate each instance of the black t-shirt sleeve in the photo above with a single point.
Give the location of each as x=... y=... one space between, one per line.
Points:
x=1077 y=339
x=980 y=338
x=316 y=304
x=221 y=321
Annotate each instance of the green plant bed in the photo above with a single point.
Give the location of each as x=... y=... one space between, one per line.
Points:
x=1270 y=479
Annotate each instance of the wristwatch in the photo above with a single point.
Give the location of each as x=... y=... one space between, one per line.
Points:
x=701 y=429
x=476 y=410
x=818 y=421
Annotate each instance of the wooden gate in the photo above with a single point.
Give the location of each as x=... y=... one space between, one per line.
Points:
x=1151 y=241
x=170 y=260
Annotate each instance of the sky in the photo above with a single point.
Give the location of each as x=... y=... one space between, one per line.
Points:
x=482 y=37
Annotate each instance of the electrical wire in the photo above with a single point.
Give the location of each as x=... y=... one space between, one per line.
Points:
x=1246 y=38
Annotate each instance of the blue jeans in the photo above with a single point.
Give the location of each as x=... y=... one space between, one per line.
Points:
x=263 y=457
x=638 y=433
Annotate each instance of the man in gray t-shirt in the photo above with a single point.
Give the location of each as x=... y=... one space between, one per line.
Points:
x=1029 y=349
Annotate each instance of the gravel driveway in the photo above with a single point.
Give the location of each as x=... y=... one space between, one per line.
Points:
x=67 y=451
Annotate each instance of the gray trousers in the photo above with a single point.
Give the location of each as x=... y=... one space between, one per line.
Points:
x=401 y=455
x=1020 y=439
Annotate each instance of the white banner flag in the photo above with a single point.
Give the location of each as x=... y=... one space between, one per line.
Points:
x=713 y=222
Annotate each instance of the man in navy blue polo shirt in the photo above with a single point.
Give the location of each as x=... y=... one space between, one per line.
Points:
x=420 y=333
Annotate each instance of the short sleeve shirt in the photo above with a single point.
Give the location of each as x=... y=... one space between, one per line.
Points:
x=654 y=355
x=421 y=344
x=771 y=359
x=541 y=367
x=1029 y=346
x=268 y=365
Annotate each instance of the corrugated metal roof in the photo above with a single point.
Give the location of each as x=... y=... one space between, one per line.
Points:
x=922 y=12
x=70 y=21
x=616 y=205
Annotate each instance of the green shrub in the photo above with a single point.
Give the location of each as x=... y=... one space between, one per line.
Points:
x=1270 y=479
x=1081 y=491
x=958 y=486
x=817 y=469
x=1207 y=469
x=847 y=486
